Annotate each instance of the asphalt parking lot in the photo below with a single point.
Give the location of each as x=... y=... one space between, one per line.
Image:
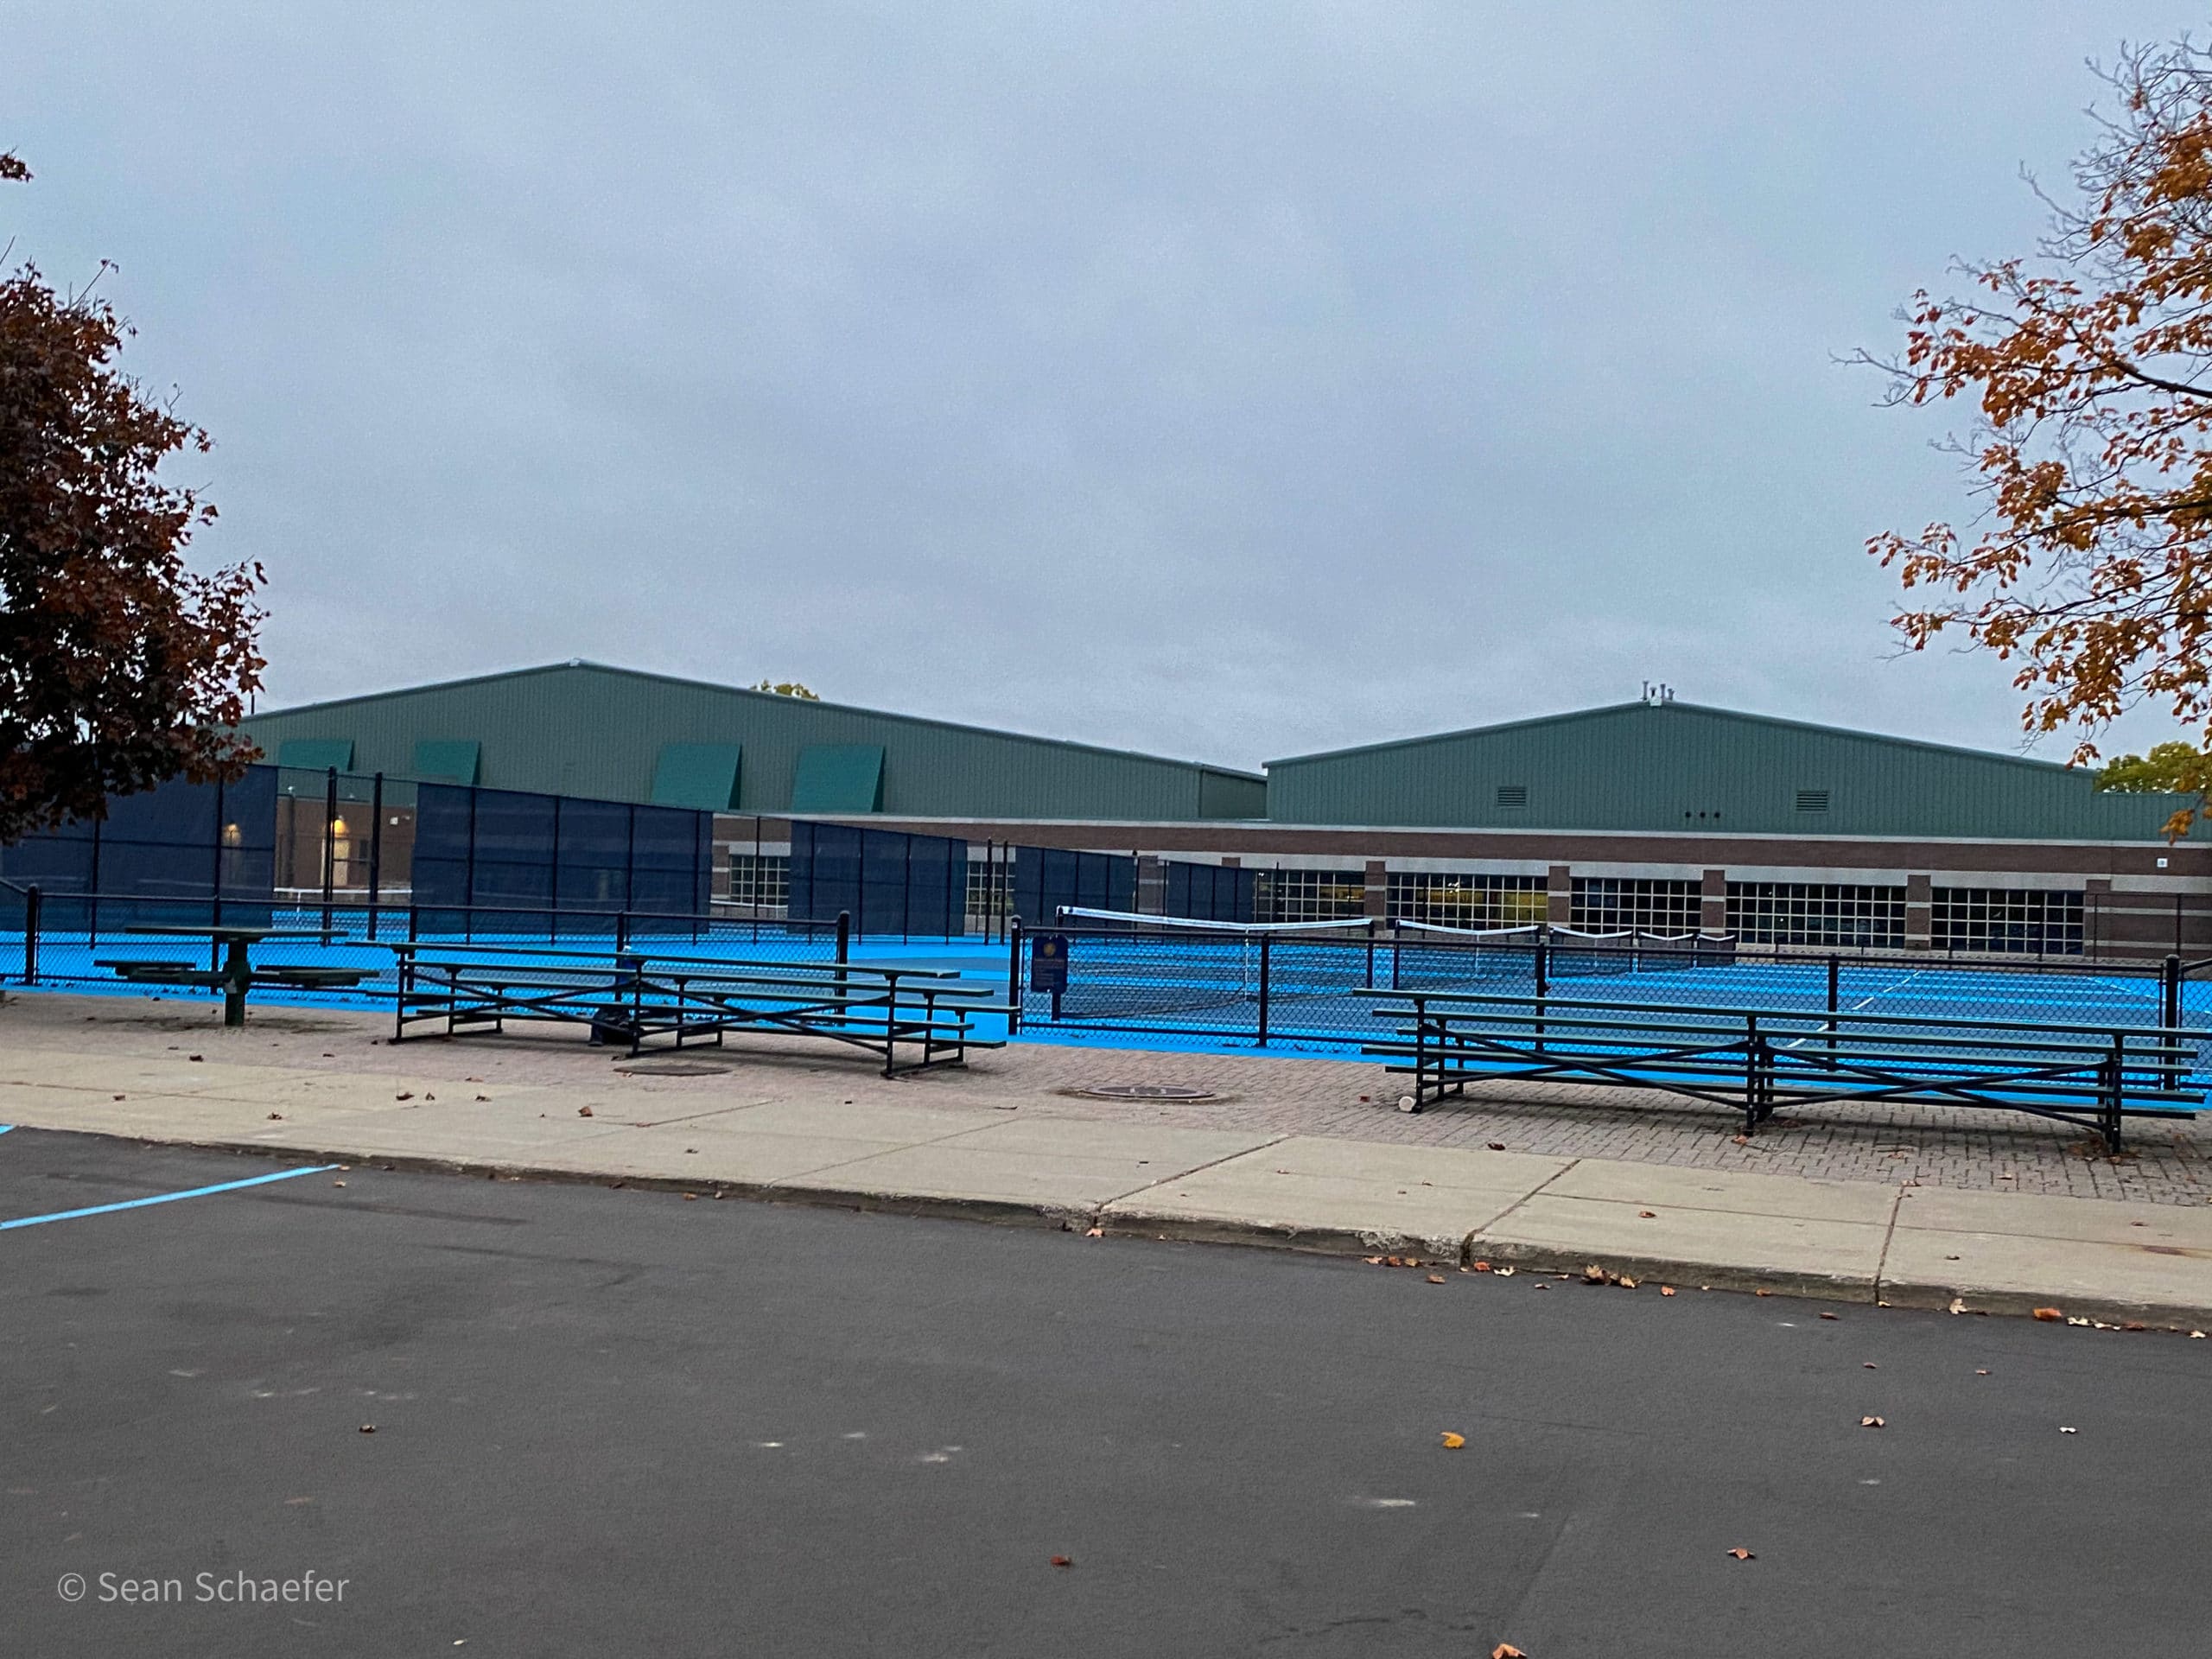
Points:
x=613 y=1421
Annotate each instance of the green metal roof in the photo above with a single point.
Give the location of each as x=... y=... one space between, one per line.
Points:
x=584 y=728
x=1677 y=766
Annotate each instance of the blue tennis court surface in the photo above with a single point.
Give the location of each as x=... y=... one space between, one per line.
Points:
x=1204 y=996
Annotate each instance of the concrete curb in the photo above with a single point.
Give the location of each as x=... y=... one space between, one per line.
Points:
x=1124 y=1222
x=1654 y=1269
x=1117 y=1222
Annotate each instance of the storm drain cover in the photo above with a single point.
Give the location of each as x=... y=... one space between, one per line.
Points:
x=670 y=1068
x=1147 y=1091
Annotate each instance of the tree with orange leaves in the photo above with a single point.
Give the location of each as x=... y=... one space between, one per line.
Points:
x=2090 y=564
x=119 y=667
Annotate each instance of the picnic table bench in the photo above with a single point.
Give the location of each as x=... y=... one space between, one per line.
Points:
x=237 y=972
x=1759 y=1059
x=635 y=998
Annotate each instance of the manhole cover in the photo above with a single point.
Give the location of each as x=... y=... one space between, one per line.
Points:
x=1147 y=1091
x=670 y=1068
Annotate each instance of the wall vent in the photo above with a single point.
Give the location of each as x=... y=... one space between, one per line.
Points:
x=1512 y=794
x=1812 y=800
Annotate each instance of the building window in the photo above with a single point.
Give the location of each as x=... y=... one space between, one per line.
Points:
x=1812 y=800
x=1830 y=917
x=2008 y=920
x=990 y=895
x=760 y=883
x=1621 y=905
x=1314 y=895
x=1455 y=900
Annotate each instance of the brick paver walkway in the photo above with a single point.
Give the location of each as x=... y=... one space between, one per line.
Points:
x=2168 y=1163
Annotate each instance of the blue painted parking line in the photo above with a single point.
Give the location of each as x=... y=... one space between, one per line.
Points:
x=4 y=1127
x=165 y=1198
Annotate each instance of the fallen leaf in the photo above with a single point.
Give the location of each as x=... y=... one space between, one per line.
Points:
x=583 y=1111
x=1507 y=1650
x=1958 y=1305
x=688 y=1196
x=1762 y=1292
x=1649 y=1215
x=2135 y=1324
x=1871 y=1366
x=1872 y=1422
x=118 y=1096
x=195 y=1058
x=1981 y=1373
x=1666 y=1290
x=1742 y=1140
x=1743 y=1554
x=2196 y=1335
x=1496 y=1146
x=483 y=1097
x=404 y=1095
x=1481 y=1267
x=1502 y=1273
x=337 y=1183
x=2050 y=1315
x=368 y=1428
x=276 y=1117
x=1095 y=1232
x=1062 y=1560
x=1453 y=1442
x=1593 y=1274
x=1435 y=1278
x=1625 y=1282
x=429 y=1096
x=2064 y=1430
x=1831 y=1316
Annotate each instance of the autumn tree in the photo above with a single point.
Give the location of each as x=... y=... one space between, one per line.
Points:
x=2088 y=367
x=787 y=689
x=119 y=667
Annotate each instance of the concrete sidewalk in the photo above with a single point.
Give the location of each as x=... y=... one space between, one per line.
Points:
x=1902 y=1243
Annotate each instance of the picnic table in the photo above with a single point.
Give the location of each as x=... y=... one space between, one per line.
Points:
x=237 y=974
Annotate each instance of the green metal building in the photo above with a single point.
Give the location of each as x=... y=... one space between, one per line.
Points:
x=581 y=729
x=1662 y=766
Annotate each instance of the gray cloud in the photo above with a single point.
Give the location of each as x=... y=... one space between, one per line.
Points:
x=1233 y=381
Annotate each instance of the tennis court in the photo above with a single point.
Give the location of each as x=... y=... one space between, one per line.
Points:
x=1153 y=982
x=1305 y=986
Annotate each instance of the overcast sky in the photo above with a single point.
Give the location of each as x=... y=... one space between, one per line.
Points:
x=1233 y=381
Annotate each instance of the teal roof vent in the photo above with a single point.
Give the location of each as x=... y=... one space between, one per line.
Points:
x=446 y=759
x=316 y=754
x=701 y=775
x=839 y=777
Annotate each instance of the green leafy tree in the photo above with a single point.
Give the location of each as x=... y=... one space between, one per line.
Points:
x=787 y=689
x=2170 y=768
x=119 y=667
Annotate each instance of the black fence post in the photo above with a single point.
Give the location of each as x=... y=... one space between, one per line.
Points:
x=1266 y=940
x=329 y=842
x=1543 y=966
x=34 y=901
x=1835 y=980
x=844 y=935
x=1014 y=975
x=216 y=909
x=621 y=929
x=376 y=849
x=2169 y=1017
